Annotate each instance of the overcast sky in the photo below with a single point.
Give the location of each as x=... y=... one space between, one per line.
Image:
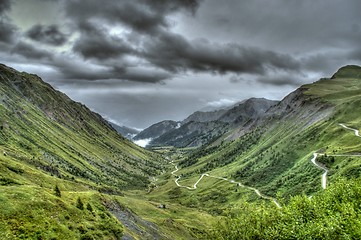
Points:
x=141 y=61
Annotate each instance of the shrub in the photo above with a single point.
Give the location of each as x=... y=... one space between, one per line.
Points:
x=89 y=207
x=79 y=204
x=332 y=214
x=57 y=191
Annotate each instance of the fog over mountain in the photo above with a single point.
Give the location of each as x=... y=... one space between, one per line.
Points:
x=139 y=62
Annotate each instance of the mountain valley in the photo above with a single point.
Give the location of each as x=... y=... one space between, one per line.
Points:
x=261 y=169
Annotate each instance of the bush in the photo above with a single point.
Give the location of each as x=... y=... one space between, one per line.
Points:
x=332 y=214
x=57 y=191
x=79 y=204
x=89 y=207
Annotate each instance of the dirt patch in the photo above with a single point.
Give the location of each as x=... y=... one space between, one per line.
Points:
x=140 y=227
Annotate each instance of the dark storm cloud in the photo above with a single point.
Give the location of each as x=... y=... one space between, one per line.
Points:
x=280 y=80
x=149 y=76
x=31 y=52
x=175 y=53
x=96 y=43
x=167 y=6
x=7 y=30
x=162 y=48
x=139 y=15
x=292 y=26
x=134 y=15
x=79 y=71
x=5 y=5
x=252 y=48
x=47 y=34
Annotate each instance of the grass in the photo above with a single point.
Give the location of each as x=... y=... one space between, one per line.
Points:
x=30 y=212
x=46 y=140
x=275 y=156
x=331 y=214
x=64 y=138
x=176 y=221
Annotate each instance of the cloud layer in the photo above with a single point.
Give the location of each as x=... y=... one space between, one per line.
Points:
x=47 y=34
x=242 y=48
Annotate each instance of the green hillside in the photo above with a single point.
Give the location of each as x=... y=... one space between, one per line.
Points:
x=258 y=181
x=65 y=173
x=273 y=154
x=47 y=141
x=48 y=131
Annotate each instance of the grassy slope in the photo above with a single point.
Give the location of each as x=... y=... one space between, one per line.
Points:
x=47 y=140
x=50 y=131
x=331 y=214
x=275 y=156
x=40 y=154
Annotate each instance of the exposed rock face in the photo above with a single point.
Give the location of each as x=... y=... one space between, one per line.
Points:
x=297 y=106
x=252 y=108
x=204 y=116
x=301 y=106
x=191 y=134
x=126 y=132
x=202 y=127
x=157 y=130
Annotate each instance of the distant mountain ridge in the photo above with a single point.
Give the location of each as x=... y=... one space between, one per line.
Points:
x=200 y=116
x=252 y=108
x=201 y=127
x=274 y=152
x=157 y=129
x=126 y=132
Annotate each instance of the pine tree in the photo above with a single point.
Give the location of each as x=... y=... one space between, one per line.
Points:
x=79 y=204
x=57 y=191
x=89 y=207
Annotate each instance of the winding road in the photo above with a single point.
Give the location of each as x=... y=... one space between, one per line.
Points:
x=313 y=160
x=223 y=179
x=324 y=175
x=355 y=130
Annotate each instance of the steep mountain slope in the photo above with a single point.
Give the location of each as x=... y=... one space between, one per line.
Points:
x=64 y=137
x=274 y=153
x=157 y=130
x=249 y=109
x=330 y=123
x=204 y=116
x=203 y=127
x=126 y=132
x=191 y=134
x=62 y=167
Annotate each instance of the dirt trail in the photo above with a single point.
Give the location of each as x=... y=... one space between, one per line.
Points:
x=223 y=179
x=355 y=130
x=313 y=160
x=324 y=175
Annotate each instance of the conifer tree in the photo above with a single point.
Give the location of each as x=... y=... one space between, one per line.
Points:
x=89 y=207
x=79 y=204
x=57 y=191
